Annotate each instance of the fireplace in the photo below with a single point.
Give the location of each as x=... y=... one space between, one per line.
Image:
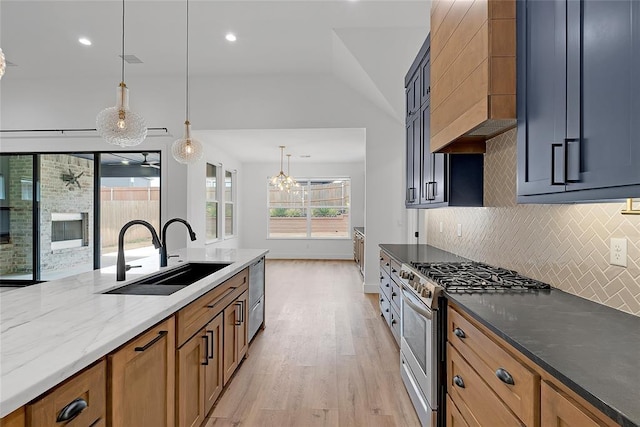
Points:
x=69 y=230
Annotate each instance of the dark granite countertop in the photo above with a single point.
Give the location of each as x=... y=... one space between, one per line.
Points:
x=359 y=230
x=591 y=348
x=420 y=253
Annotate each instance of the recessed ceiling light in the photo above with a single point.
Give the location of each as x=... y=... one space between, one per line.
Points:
x=230 y=37
x=85 y=41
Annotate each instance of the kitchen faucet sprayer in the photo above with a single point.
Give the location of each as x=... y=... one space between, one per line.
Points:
x=163 y=250
x=121 y=268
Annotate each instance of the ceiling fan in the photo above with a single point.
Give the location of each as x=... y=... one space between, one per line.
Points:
x=147 y=164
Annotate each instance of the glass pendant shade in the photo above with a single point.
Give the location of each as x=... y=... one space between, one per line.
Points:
x=3 y=64
x=187 y=150
x=120 y=126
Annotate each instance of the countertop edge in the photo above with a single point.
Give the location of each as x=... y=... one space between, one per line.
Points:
x=37 y=388
x=607 y=409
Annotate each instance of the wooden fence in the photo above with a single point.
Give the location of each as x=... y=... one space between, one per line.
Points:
x=121 y=205
x=320 y=227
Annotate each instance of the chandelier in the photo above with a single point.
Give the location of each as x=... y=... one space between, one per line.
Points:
x=187 y=150
x=282 y=181
x=118 y=125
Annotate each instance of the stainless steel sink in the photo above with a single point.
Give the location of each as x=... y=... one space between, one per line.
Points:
x=168 y=282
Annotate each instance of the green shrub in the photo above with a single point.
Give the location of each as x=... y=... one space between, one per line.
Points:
x=325 y=212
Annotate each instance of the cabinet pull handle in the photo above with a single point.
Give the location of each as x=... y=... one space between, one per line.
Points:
x=212 y=348
x=381 y=299
x=411 y=194
x=558 y=165
x=393 y=294
x=393 y=322
x=206 y=350
x=387 y=285
x=459 y=333
x=381 y=278
x=152 y=342
x=239 y=319
x=504 y=376
x=432 y=190
x=386 y=310
x=72 y=410
x=457 y=380
x=572 y=154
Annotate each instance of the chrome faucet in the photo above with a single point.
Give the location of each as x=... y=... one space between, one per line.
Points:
x=163 y=249
x=121 y=268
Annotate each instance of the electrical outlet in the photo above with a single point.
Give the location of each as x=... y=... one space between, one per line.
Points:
x=459 y=230
x=618 y=252
x=441 y=228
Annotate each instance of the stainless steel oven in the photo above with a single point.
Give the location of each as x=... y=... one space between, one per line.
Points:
x=419 y=343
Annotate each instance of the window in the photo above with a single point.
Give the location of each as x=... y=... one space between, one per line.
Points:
x=229 y=201
x=211 y=201
x=317 y=209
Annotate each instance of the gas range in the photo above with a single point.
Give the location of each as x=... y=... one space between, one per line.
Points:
x=426 y=280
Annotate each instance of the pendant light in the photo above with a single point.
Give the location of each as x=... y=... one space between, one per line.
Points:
x=118 y=125
x=187 y=150
x=3 y=64
x=280 y=180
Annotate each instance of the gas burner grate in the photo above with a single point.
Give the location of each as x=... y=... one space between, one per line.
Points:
x=469 y=277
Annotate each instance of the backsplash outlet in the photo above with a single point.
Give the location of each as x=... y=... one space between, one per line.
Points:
x=566 y=246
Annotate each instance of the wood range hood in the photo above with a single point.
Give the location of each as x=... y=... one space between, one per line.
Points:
x=473 y=73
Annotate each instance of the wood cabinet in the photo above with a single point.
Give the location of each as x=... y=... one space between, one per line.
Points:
x=142 y=379
x=490 y=383
x=473 y=72
x=390 y=293
x=235 y=336
x=578 y=109
x=435 y=179
x=199 y=374
x=15 y=419
x=358 y=249
x=81 y=401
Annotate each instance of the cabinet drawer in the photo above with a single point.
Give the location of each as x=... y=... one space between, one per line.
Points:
x=454 y=417
x=394 y=324
x=256 y=317
x=477 y=403
x=558 y=409
x=516 y=384
x=385 y=307
x=193 y=317
x=87 y=389
x=394 y=271
x=394 y=296
x=385 y=284
x=385 y=262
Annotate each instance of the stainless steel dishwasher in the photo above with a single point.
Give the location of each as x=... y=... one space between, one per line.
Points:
x=256 y=297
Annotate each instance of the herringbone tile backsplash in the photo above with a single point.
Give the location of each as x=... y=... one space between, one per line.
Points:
x=566 y=246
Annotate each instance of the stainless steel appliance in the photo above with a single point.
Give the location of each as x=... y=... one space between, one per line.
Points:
x=423 y=320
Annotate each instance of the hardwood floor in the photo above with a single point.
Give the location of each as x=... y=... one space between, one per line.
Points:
x=325 y=358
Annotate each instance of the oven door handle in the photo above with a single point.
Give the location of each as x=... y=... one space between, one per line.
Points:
x=424 y=312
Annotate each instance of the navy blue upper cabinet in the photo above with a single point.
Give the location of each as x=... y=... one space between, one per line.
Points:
x=578 y=100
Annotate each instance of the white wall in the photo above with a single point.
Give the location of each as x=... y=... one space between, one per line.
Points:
x=255 y=212
x=224 y=102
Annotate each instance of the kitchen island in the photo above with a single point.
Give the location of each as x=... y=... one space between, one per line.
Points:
x=51 y=331
x=591 y=349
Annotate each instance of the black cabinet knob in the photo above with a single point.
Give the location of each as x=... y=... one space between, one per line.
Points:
x=504 y=376
x=459 y=333
x=457 y=380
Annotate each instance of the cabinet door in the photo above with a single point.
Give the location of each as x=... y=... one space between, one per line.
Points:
x=610 y=93
x=425 y=76
x=413 y=95
x=558 y=410
x=412 y=196
x=143 y=379
x=242 y=326
x=213 y=369
x=427 y=187
x=230 y=347
x=192 y=357
x=14 y=419
x=542 y=103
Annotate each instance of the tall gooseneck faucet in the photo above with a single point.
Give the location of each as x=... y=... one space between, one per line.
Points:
x=121 y=268
x=163 y=249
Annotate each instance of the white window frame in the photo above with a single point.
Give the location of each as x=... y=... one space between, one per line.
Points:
x=308 y=208
x=218 y=238
x=232 y=202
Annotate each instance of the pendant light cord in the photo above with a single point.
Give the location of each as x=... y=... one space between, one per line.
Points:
x=187 y=100
x=122 y=41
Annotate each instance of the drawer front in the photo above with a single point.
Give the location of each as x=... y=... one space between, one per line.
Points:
x=394 y=324
x=560 y=410
x=194 y=316
x=477 y=403
x=90 y=386
x=385 y=262
x=394 y=296
x=385 y=307
x=394 y=269
x=385 y=284
x=454 y=417
x=497 y=367
x=256 y=281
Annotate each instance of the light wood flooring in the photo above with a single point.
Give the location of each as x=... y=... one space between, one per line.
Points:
x=325 y=358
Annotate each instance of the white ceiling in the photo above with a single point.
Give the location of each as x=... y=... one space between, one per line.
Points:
x=368 y=44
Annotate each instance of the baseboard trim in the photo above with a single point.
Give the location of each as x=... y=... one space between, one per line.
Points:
x=371 y=289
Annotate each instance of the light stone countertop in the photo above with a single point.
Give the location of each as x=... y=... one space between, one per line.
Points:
x=52 y=330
